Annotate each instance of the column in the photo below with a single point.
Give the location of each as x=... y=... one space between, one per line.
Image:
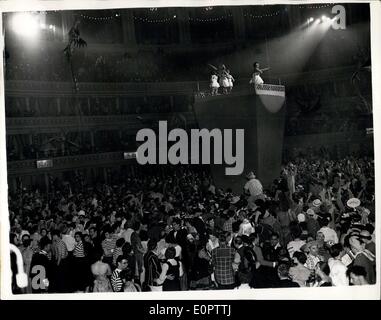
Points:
x=183 y=23
x=58 y=106
x=294 y=16
x=105 y=174
x=239 y=24
x=172 y=103
x=27 y=104
x=117 y=105
x=88 y=106
x=92 y=141
x=128 y=26
x=46 y=182
x=67 y=18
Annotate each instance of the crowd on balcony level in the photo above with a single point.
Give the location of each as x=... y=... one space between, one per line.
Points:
x=143 y=66
x=78 y=106
x=171 y=228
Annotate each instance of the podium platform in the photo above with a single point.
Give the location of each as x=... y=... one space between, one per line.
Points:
x=259 y=111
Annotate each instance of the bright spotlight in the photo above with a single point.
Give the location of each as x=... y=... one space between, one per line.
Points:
x=324 y=18
x=51 y=27
x=311 y=19
x=318 y=20
x=25 y=24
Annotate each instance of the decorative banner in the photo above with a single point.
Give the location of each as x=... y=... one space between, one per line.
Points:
x=271 y=96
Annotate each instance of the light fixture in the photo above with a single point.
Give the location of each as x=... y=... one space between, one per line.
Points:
x=25 y=24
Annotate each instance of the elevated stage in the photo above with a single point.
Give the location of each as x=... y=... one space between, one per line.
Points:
x=260 y=112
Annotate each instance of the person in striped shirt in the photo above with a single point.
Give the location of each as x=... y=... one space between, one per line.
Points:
x=108 y=246
x=59 y=248
x=80 y=264
x=116 y=279
x=118 y=250
x=60 y=254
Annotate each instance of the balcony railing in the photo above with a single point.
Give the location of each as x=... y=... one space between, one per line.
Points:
x=23 y=167
x=27 y=125
x=57 y=89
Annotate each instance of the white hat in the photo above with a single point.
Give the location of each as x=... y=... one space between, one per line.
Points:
x=301 y=217
x=353 y=203
x=235 y=199
x=81 y=213
x=316 y=203
x=310 y=212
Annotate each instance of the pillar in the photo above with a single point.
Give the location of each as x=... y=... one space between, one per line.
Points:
x=128 y=27
x=183 y=23
x=58 y=106
x=239 y=24
x=67 y=19
x=92 y=141
x=294 y=16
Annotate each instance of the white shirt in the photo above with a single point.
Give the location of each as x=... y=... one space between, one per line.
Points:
x=329 y=235
x=69 y=241
x=246 y=228
x=294 y=246
x=127 y=234
x=254 y=187
x=338 y=273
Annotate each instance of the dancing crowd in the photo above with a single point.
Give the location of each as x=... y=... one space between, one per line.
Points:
x=172 y=229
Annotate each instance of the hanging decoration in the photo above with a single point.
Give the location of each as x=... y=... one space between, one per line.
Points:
x=317 y=6
x=84 y=16
x=261 y=16
x=155 y=20
x=192 y=19
x=221 y=18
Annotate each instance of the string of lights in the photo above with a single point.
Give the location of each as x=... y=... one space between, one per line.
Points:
x=211 y=19
x=155 y=20
x=308 y=6
x=192 y=19
x=253 y=16
x=116 y=15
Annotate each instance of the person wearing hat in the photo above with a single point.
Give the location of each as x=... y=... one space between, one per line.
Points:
x=253 y=188
x=367 y=238
x=313 y=257
x=330 y=235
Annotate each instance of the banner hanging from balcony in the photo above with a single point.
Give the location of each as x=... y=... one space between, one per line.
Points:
x=272 y=96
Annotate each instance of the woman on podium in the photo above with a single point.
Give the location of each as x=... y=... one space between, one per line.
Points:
x=256 y=77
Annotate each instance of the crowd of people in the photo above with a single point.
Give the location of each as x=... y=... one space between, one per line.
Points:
x=173 y=229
